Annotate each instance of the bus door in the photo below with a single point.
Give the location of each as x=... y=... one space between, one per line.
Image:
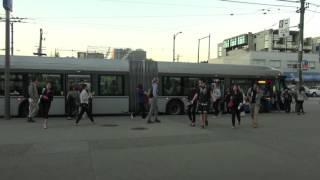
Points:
x=76 y=80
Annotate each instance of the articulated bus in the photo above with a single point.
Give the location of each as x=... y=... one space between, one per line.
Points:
x=114 y=82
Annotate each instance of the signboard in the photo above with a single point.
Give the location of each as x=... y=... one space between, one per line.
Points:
x=7 y=5
x=284 y=28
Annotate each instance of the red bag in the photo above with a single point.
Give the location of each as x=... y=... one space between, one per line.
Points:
x=230 y=104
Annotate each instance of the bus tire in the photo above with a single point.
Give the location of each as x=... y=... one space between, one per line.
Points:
x=175 y=107
x=24 y=109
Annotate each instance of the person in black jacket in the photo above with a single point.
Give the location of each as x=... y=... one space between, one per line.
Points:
x=192 y=105
x=237 y=99
x=45 y=103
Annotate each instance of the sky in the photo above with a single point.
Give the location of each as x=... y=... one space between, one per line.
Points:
x=146 y=24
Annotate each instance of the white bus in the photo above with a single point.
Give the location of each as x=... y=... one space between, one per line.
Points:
x=114 y=82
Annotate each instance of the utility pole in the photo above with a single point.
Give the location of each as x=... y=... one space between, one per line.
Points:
x=7 y=4
x=198 y=50
x=12 y=39
x=174 y=45
x=39 y=53
x=301 y=31
x=209 y=47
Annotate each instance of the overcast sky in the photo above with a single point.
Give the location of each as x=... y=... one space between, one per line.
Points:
x=145 y=24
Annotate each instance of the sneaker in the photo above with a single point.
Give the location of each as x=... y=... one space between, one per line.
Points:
x=149 y=122
x=69 y=118
x=233 y=127
x=157 y=121
x=202 y=127
x=192 y=125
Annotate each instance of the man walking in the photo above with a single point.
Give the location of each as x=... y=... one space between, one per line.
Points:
x=33 y=99
x=255 y=100
x=153 y=101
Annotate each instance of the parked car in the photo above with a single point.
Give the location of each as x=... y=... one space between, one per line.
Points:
x=314 y=91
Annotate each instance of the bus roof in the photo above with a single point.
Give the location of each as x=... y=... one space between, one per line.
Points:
x=102 y=65
x=216 y=69
x=68 y=64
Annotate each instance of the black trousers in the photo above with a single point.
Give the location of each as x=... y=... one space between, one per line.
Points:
x=235 y=112
x=142 y=110
x=45 y=109
x=192 y=112
x=216 y=107
x=84 y=108
x=300 y=107
x=287 y=106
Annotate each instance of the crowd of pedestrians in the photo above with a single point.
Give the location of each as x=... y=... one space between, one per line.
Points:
x=202 y=98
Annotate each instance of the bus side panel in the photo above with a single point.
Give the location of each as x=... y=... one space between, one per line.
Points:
x=14 y=104
x=110 y=105
x=57 y=106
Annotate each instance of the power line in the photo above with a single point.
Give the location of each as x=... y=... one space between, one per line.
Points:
x=291 y=1
x=261 y=4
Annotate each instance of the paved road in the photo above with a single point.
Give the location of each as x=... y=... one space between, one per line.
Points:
x=286 y=146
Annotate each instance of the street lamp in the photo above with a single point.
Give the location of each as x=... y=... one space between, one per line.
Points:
x=209 y=37
x=174 y=45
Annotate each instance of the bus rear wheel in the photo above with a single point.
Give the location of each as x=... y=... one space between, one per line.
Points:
x=175 y=107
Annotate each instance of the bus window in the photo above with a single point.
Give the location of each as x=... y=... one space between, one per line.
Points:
x=189 y=83
x=77 y=80
x=172 y=86
x=110 y=85
x=54 y=79
x=16 y=85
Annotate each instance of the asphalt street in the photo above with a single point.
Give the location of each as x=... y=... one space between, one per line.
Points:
x=285 y=146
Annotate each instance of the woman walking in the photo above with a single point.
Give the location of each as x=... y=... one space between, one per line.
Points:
x=45 y=103
x=192 y=106
x=236 y=104
x=84 y=104
x=73 y=102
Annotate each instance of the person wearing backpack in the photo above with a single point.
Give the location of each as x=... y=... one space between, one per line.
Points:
x=153 y=96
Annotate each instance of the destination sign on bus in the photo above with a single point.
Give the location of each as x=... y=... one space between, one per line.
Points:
x=236 y=41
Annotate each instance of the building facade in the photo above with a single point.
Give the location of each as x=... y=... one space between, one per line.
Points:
x=266 y=48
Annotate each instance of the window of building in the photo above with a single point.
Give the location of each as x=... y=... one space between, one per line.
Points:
x=292 y=65
x=226 y=44
x=220 y=51
x=312 y=65
x=110 y=85
x=260 y=62
x=275 y=63
x=233 y=42
x=172 y=86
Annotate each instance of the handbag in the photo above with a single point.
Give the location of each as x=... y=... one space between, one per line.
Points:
x=230 y=104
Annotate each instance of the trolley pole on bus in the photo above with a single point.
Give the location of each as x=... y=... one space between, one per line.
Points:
x=7 y=5
x=301 y=31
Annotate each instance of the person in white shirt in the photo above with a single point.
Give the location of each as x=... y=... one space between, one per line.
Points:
x=215 y=95
x=84 y=104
